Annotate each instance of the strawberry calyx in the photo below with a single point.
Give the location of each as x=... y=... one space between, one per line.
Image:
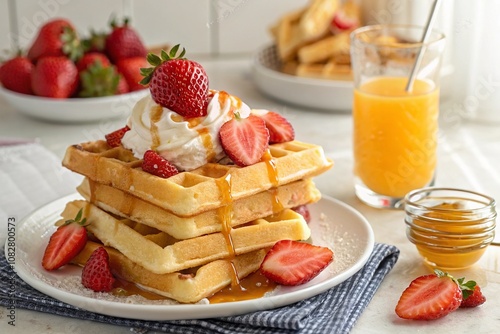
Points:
x=467 y=287
x=79 y=219
x=99 y=80
x=71 y=44
x=156 y=61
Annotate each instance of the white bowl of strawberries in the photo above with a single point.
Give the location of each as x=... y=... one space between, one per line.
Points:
x=65 y=78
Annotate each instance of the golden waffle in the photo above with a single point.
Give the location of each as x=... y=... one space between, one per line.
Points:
x=158 y=252
x=205 y=188
x=188 y=287
x=335 y=46
x=316 y=20
x=245 y=209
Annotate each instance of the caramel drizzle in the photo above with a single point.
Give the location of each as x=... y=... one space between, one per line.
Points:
x=225 y=216
x=272 y=172
x=155 y=114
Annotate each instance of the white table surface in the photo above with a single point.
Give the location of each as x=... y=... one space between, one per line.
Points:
x=469 y=157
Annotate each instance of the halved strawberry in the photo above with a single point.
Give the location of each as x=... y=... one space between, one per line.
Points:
x=429 y=297
x=96 y=274
x=346 y=18
x=244 y=139
x=66 y=242
x=177 y=83
x=280 y=130
x=155 y=164
x=114 y=139
x=291 y=262
x=304 y=211
x=473 y=297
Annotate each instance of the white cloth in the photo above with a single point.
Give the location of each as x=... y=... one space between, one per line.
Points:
x=30 y=176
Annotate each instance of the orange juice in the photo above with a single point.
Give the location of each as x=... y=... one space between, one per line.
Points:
x=395 y=135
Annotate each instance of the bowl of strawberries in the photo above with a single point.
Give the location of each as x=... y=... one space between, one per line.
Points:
x=64 y=77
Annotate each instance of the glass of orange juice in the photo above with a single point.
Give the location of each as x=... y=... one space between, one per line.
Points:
x=395 y=126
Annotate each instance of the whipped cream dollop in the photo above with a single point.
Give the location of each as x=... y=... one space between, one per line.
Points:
x=188 y=143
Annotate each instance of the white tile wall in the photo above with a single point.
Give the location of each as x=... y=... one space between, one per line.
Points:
x=202 y=26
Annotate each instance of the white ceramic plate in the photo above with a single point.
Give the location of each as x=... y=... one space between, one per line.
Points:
x=332 y=95
x=333 y=224
x=73 y=110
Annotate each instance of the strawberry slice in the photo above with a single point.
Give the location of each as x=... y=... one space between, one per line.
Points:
x=291 y=262
x=304 y=211
x=244 y=139
x=96 y=274
x=346 y=18
x=472 y=297
x=280 y=130
x=430 y=297
x=157 y=165
x=114 y=139
x=66 y=242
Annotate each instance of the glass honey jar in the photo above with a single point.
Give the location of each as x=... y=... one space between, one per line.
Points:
x=451 y=228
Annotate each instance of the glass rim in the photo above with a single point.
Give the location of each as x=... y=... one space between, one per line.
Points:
x=440 y=37
x=490 y=201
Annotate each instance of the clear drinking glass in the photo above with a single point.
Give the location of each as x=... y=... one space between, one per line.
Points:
x=395 y=130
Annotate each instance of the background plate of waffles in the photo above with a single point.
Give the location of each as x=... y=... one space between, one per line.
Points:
x=73 y=110
x=333 y=224
x=272 y=78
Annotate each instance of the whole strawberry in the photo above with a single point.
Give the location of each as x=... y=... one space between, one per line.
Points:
x=96 y=274
x=15 y=75
x=130 y=68
x=57 y=37
x=91 y=58
x=178 y=84
x=55 y=77
x=124 y=42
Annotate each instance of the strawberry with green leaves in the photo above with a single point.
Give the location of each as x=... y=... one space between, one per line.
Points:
x=66 y=242
x=56 y=38
x=436 y=295
x=291 y=262
x=177 y=83
x=96 y=274
x=15 y=75
x=124 y=42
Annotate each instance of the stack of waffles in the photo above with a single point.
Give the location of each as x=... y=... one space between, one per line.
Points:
x=314 y=41
x=190 y=235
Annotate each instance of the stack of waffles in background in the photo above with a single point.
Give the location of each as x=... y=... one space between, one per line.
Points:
x=314 y=41
x=189 y=236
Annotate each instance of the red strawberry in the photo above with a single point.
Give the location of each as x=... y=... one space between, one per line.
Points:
x=15 y=75
x=280 y=130
x=346 y=18
x=473 y=298
x=98 y=80
x=66 y=242
x=291 y=262
x=429 y=297
x=178 y=84
x=130 y=68
x=244 y=139
x=55 y=77
x=157 y=165
x=122 y=85
x=96 y=274
x=56 y=38
x=304 y=211
x=114 y=139
x=91 y=58
x=124 y=42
